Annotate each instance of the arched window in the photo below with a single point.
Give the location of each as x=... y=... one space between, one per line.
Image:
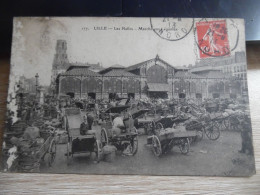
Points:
x=112 y=85
x=176 y=86
x=227 y=87
x=118 y=86
x=221 y=87
x=137 y=86
x=125 y=86
x=106 y=86
x=156 y=74
x=99 y=86
x=182 y=86
x=92 y=85
x=204 y=87
x=198 y=87
x=187 y=86
x=85 y=86
x=193 y=87
x=131 y=86
x=70 y=84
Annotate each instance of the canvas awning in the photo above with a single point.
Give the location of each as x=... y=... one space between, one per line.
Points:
x=160 y=87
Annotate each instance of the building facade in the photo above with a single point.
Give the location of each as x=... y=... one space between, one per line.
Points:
x=234 y=65
x=82 y=82
x=153 y=78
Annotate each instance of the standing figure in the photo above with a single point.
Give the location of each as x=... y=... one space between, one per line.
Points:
x=84 y=127
x=246 y=136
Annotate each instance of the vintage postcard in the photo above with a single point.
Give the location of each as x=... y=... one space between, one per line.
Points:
x=146 y=96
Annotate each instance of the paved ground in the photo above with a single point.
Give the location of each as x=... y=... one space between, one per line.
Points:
x=207 y=157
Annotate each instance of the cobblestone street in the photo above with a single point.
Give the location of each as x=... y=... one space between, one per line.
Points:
x=201 y=159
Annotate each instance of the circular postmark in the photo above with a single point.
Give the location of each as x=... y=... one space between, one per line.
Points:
x=216 y=37
x=172 y=29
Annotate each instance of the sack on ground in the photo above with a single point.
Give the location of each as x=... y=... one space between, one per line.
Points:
x=31 y=133
x=108 y=149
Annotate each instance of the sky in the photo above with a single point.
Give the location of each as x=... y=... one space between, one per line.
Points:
x=34 y=41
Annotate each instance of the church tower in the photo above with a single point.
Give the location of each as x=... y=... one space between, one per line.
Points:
x=60 y=61
x=61 y=57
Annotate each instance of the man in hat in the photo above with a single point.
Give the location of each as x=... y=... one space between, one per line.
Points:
x=246 y=136
x=84 y=127
x=118 y=124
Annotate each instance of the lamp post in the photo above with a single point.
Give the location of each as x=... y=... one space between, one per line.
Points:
x=37 y=82
x=121 y=86
x=102 y=78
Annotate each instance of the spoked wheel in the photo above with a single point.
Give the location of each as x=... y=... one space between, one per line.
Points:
x=134 y=145
x=185 y=146
x=52 y=153
x=69 y=155
x=212 y=132
x=157 y=149
x=104 y=137
x=97 y=150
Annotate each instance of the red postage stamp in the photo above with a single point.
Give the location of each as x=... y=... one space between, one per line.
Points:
x=212 y=38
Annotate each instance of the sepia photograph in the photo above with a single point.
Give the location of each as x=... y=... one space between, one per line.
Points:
x=135 y=96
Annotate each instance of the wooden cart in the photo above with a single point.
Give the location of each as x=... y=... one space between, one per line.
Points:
x=165 y=139
x=30 y=158
x=77 y=143
x=128 y=135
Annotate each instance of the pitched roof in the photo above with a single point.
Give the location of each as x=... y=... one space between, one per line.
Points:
x=118 y=73
x=129 y=68
x=140 y=64
x=186 y=75
x=181 y=68
x=80 y=72
x=117 y=66
x=76 y=66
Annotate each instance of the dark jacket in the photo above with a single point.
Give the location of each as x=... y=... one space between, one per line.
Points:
x=84 y=128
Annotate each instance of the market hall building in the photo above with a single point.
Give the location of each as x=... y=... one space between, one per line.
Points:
x=154 y=78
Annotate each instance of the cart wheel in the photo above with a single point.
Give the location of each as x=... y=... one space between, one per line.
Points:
x=97 y=150
x=134 y=145
x=104 y=137
x=212 y=132
x=185 y=146
x=69 y=155
x=52 y=153
x=157 y=149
